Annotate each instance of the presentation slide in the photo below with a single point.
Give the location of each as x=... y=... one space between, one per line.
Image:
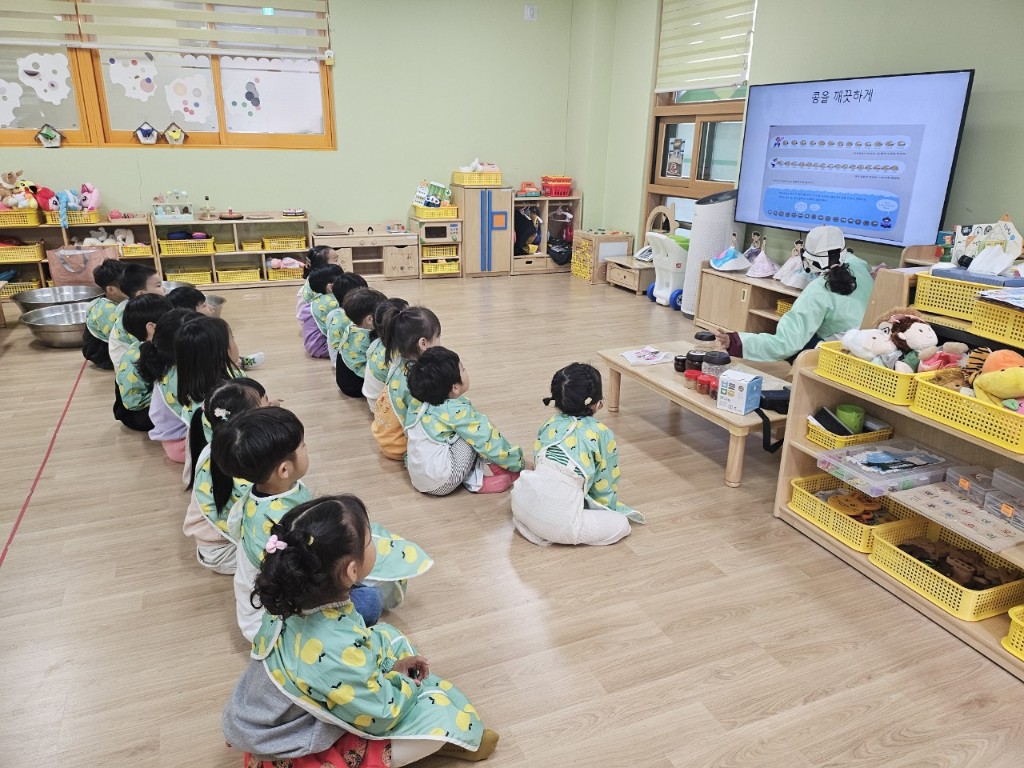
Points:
x=871 y=156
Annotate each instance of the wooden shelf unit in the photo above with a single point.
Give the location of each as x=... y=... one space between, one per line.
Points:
x=540 y=263
x=799 y=459
x=734 y=302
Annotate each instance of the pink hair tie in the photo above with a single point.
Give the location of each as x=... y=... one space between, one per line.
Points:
x=274 y=544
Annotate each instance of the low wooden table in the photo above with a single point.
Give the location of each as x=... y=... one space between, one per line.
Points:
x=664 y=380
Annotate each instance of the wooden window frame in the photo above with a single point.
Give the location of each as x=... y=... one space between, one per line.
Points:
x=95 y=131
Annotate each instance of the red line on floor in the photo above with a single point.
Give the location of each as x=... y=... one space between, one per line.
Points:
x=46 y=458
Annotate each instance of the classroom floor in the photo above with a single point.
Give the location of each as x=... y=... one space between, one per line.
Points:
x=714 y=636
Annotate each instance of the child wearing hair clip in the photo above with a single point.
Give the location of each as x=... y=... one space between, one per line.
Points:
x=571 y=497
x=322 y=686
x=213 y=491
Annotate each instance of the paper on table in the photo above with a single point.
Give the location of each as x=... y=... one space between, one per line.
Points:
x=646 y=356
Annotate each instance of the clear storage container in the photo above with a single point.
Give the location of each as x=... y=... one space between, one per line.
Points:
x=972 y=482
x=1005 y=507
x=892 y=465
x=1007 y=481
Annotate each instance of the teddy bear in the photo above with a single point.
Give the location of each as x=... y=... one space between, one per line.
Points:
x=89 y=197
x=8 y=185
x=24 y=196
x=872 y=344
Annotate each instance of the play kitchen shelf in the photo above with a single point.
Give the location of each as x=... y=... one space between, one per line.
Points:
x=799 y=460
x=378 y=248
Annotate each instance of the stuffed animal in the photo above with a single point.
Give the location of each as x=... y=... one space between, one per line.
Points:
x=89 y=198
x=100 y=237
x=872 y=344
x=913 y=337
x=8 y=185
x=952 y=354
x=124 y=236
x=1001 y=378
x=47 y=199
x=24 y=196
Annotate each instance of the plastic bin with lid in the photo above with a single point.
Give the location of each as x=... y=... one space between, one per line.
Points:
x=971 y=482
x=1006 y=507
x=891 y=465
x=1008 y=482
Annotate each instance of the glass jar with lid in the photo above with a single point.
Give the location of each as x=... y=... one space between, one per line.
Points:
x=715 y=363
x=705 y=341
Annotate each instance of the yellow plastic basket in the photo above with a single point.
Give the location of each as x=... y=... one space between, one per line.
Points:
x=237 y=275
x=186 y=247
x=477 y=179
x=852 y=533
x=252 y=245
x=444 y=212
x=1014 y=641
x=20 y=218
x=958 y=601
x=826 y=439
x=782 y=306
x=136 y=251
x=440 y=267
x=883 y=383
x=12 y=288
x=999 y=323
x=285 y=274
x=952 y=298
x=22 y=253
x=992 y=423
x=74 y=217
x=196 y=277
x=223 y=247
x=284 y=243
x=439 y=251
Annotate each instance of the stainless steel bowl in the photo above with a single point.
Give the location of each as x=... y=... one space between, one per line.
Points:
x=60 y=325
x=48 y=297
x=216 y=303
x=170 y=285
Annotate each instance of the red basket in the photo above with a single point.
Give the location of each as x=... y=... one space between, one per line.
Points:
x=556 y=186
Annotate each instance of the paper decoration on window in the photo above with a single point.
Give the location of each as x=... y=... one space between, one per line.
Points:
x=174 y=134
x=47 y=74
x=272 y=95
x=49 y=136
x=147 y=134
x=248 y=104
x=136 y=73
x=10 y=100
x=190 y=97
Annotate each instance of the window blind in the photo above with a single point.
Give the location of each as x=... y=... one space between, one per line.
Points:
x=34 y=22
x=291 y=27
x=704 y=43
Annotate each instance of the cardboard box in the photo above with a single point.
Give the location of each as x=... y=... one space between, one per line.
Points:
x=739 y=392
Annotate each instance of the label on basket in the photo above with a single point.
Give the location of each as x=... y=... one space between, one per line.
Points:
x=1006 y=509
x=965 y=484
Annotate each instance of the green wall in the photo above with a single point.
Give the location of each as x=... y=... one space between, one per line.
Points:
x=838 y=38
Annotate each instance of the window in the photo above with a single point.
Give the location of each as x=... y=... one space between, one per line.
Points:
x=237 y=74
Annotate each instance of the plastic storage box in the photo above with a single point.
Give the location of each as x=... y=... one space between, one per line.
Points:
x=1006 y=507
x=1004 y=480
x=878 y=468
x=972 y=482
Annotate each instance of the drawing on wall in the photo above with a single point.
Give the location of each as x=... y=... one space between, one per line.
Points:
x=47 y=74
x=10 y=100
x=135 y=73
x=189 y=96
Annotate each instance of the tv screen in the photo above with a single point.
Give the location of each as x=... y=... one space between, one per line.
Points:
x=873 y=156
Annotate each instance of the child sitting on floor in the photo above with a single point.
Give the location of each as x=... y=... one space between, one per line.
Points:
x=314 y=334
x=213 y=491
x=323 y=686
x=358 y=308
x=377 y=364
x=571 y=497
x=135 y=279
x=102 y=313
x=316 y=257
x=132 y=393
x=188 y=297
x=450 y=442
x=337 y=321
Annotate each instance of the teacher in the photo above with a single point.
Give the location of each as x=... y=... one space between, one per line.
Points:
x=833 y=303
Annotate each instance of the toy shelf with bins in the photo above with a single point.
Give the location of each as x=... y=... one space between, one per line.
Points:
x=440 y=241
x=30 y=260
x=735 y=302
x=240 y=247
x=799 y=459
x=547 y=207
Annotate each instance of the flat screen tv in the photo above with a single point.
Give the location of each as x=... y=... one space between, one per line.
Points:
x=871 y=155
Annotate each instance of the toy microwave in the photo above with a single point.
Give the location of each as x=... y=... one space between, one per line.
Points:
x=436 y=231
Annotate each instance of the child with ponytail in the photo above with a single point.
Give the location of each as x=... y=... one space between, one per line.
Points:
x=377 y=363
x=321 y=682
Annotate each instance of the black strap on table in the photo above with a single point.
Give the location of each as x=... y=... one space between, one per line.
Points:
x=766 y=437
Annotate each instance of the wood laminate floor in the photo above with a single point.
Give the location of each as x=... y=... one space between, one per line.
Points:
x=714 y=636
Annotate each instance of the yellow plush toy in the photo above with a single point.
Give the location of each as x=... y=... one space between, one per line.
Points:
x=1001 y=378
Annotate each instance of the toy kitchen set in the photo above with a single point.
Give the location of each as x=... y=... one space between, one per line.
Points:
x=383 y=248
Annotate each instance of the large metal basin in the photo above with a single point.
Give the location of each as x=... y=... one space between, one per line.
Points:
x=216 y=303
x=48 y=297
x=61 y=325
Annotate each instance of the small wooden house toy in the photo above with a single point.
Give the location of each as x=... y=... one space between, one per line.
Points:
x=175 y=134
x=147 y=134
x=49 y=136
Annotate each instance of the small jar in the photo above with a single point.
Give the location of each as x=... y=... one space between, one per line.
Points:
x=694 y=360
x=680 y=363
x=704 y=384
x=705 y=341
x=690 y=379
x=713 y=388
x=715 y=363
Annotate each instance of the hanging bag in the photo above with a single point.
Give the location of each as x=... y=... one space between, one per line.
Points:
x=73 y=265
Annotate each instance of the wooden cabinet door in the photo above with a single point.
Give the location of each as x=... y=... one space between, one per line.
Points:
x=723 y=302
x=401 y=261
